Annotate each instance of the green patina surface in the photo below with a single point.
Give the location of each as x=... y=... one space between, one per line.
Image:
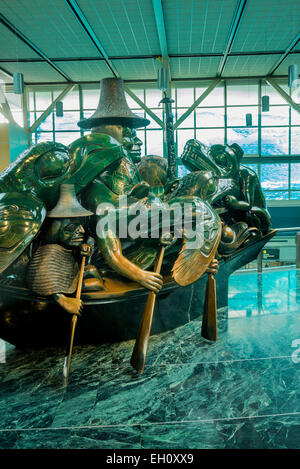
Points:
x=241 y=392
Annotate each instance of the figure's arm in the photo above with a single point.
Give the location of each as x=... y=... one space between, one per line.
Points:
x=110 y=247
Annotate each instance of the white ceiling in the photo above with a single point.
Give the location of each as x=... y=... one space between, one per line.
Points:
x=52 y=41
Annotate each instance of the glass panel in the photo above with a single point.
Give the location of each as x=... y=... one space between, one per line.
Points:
x=153 y=124
x=43 y=99
x=295 y=140
x=71 y=101
x=90 y=98
x=275 y=141
x=275 y=97
x=254 y=167
x=131 y=103
x=188 y=122
x=280 y=195
x=66 y=137
x=212 y=117
x=277 y=115
x=14 y=100
x=47 y=124
x=274 y=176
x=242 y=94
x=155 y=145
x=185 y=97
x=44 y=137
x=141 y=135
x=153 y=97
x=295 y=176
x=18 y=116
x=215 y=97
x=182 y=171
x=295 y=195
x=182 y=137
x=88 y=114
x=3 y=119
x=247 y=138
x=31 y=118
x=210 y=136
x=31 y=101
x=295 y=117
x=236 y=116
x=68 y=121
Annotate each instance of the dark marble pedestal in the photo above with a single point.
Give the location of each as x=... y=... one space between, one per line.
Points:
x=28 y=323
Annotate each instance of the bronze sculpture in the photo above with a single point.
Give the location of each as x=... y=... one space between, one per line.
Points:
x=238 y=194
x=53 y=269
x=105 y=167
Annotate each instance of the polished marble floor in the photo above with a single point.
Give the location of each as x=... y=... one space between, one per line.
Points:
x=242 y=392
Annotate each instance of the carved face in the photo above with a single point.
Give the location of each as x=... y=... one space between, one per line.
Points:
x=132 y=144
x=196 y=157
x=227 y=158
x=222 y=160
x=68 y=232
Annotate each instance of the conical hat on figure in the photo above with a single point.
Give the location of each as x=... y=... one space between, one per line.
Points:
x=113 y=108
x=68 y=205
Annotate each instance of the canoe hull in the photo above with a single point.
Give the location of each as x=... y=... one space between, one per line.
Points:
x=27 y=323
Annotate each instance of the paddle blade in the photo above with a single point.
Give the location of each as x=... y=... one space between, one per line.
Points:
x=139 y=354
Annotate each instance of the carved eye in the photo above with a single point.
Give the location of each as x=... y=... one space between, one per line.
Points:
x=71 y=227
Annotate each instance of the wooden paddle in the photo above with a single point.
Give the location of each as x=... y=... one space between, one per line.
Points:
x=209 y=319
x=139 y=354
x=68 y=357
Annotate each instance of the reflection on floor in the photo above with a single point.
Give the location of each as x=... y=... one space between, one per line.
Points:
x=242 y=392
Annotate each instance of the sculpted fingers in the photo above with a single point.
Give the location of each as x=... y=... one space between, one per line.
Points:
x=153 y=281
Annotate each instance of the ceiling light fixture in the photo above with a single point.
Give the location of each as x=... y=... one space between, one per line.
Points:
x=293 y=75
x=59 y=109
x=265 y=103
x=162 y=79
x=18 y=79
x=249 y=120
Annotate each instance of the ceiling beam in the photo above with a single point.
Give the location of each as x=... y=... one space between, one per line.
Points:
x=6 y=73
x=32 y=46
x=240 y=8
x=285 y=54
x=149 y=56
x=161 y=31
x=78 y=13
x=282 y=93
x=33 y=85
x=43 y=116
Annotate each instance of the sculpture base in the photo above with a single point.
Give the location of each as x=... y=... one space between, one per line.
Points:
x=25 y=322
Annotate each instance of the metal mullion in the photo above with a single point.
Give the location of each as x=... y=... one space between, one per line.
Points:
x=290 y=130
x=195 y=119
x=240 y=105
x=290 y=147
x=81 y=114
x=205 y=128
x=145 y=128
x=202 y=107
x=276 y=190
x=225 y=112
x=259 y=119
x=34 y=110
x=277 y=126
x=176 y=113
x=53 y=119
